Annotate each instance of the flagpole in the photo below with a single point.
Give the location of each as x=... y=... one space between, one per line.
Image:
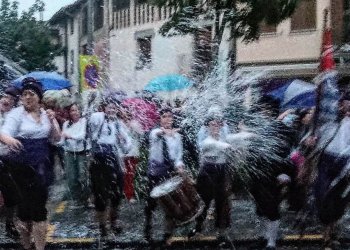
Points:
x=326 y=66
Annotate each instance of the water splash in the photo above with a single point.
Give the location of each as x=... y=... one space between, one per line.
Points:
x=238 y=96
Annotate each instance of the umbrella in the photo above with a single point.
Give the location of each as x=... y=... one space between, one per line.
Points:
x=168 y=83
x=50 y=80
x=143 y=111
x=295 y=94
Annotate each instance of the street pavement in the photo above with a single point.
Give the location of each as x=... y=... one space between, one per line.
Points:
x=73 y=227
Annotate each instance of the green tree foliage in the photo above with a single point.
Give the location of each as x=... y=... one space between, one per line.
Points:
x=25 y=39
x=243 y=17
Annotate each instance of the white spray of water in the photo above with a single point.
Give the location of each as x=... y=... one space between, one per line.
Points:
x=259 y=139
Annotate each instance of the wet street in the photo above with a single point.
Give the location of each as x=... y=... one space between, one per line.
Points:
x=73 y=227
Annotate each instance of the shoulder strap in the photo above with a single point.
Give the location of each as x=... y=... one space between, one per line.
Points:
x=100 y=129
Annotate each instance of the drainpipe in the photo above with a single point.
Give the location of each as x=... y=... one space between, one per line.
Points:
x=90 y=28
x=66 y=49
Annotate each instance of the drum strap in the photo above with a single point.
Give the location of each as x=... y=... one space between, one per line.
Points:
x=166 y=156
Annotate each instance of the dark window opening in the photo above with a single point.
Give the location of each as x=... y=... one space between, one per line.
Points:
x=84 y=22
x=304 y=17
x=267 y=28
x=120 y=4
x=98 y=14
x=346 y=27
x=71 y=26
x=84 y=49
x=72 y=61
x=140 y=1
x=144 y=53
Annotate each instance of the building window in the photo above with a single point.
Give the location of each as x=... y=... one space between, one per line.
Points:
x=120 y=4
x=346 y=26
x=84 y=21
x=266 y=28
x=71 y=26
x=98 y=14
x=144 y=60
x=84 y=49
x=304 y=17
x=72 y=62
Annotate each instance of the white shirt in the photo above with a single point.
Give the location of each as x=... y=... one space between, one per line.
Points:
x=2 y=118
x=78 y=133
x=213 y=150
x=174 y=143
x=134 y=130
x=3 y=148
x=19 y=123
x=203 y=134
x=107 y=132
x=340 y=145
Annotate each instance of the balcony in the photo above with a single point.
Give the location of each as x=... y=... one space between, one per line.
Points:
x=139 y=14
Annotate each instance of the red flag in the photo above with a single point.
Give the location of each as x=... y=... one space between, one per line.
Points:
x=327 y=59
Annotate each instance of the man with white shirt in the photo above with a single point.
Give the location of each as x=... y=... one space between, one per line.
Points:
x=332 y=184
x=108 y=140
x=213 y=182
x=165 y=159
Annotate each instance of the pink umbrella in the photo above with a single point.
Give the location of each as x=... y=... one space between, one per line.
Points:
x=143 y=111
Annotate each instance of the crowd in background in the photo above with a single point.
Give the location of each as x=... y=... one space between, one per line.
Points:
x=38 y=135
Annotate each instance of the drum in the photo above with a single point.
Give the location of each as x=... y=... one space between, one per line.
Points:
x=179 y=199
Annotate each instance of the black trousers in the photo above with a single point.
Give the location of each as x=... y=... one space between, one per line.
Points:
x=331 y=201
x=267 y=199
x=8 y=187
x=265 y=188
x=107 y=181
x=213 y=183
x=151 y=203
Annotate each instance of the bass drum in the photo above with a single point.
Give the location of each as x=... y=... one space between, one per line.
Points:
x=179 y=199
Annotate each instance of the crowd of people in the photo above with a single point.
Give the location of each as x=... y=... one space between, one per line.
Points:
x=100 y=152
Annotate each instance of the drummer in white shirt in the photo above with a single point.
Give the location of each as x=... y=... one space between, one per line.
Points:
x=165 y=159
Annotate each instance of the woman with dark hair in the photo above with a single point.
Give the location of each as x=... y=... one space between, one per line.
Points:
x=109 y=140
x=27 y=131
x=7 y=186
x=75 y=147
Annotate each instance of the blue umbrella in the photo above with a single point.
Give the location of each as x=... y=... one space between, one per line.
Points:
x=168 y=83
x=49 y=80
x=295 y=94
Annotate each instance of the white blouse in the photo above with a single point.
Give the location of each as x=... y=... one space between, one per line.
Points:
x=134 y=130
x=19 y=123
x=340 y=145
x=174 y=143
x=2 y=119
x=3 y=148
x=77 y=131
x=214 y=151
x=203 y=134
